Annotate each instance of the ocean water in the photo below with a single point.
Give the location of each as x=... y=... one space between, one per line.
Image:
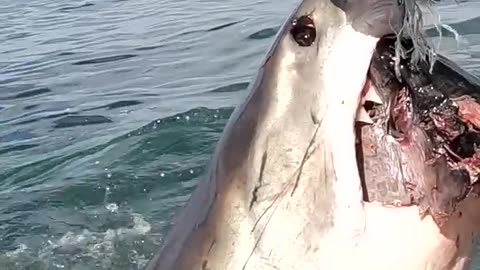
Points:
x=110 y=110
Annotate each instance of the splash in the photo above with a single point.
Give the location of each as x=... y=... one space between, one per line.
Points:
x=124 y=247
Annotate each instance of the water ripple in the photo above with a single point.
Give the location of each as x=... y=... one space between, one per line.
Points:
x=67 y=9
x=105 y=59
x=264 y=33
x=29 y=93
x=80 y=120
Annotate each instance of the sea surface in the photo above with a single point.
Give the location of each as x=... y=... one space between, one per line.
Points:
x=110 y=110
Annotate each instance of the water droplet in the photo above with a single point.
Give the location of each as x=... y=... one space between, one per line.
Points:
x=191 y=171
x=112 y=207
x=109 y=175
x=97 y=162
x=162 y=174
x=57 y=265
x=187 y=117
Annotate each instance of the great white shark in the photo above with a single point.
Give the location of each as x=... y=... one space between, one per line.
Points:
x=284 y=189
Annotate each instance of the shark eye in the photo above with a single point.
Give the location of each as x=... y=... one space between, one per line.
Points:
x=303 y=31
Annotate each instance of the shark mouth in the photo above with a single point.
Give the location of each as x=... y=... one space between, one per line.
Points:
x=418 y=135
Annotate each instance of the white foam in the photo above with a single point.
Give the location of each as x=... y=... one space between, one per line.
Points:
x=112 y=207
x=85 y=248
x=21 y=248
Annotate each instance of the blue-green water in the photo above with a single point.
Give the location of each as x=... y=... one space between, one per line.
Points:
x=110 y=109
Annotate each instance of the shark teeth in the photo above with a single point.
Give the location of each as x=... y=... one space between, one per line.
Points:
x=362 y=116
x=372 y=96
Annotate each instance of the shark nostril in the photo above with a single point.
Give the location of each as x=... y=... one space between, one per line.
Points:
x=303 y=31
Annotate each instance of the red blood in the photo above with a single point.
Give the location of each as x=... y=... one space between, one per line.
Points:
x=470 y=111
